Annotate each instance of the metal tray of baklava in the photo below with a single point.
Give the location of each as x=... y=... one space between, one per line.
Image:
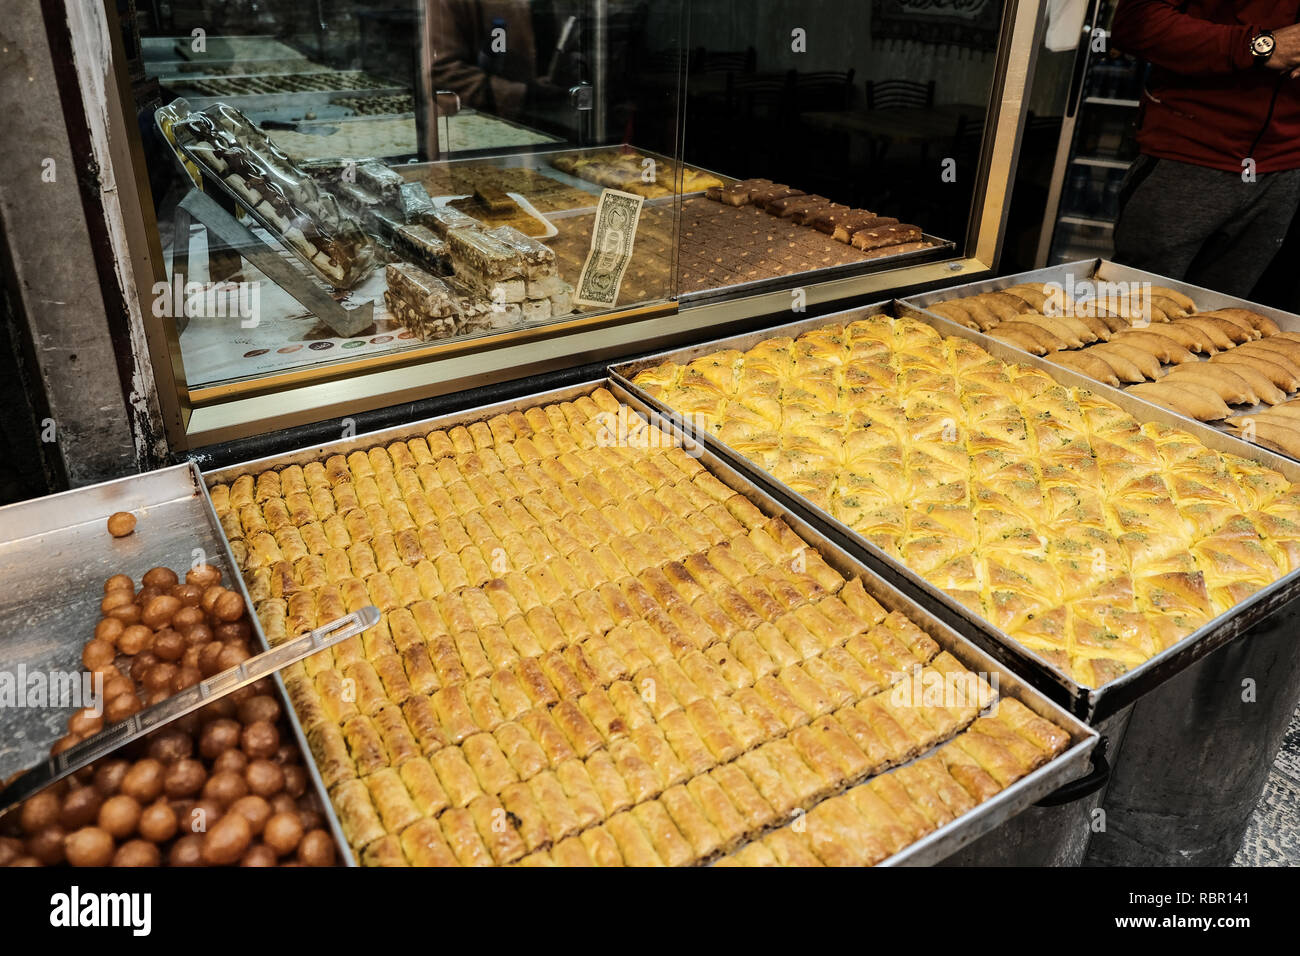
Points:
x=1091 y=703
x=1085 y=275
x=54 y=560
x=1071 y=765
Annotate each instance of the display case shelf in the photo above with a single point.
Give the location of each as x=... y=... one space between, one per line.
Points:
x=628 y=103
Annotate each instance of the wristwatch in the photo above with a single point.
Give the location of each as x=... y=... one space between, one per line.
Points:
x=1262 y=45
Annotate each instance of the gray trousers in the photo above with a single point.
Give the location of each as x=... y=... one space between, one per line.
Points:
x=1204 y=226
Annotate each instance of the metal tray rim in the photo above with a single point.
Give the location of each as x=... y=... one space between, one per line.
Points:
x=941 y=843
x=934 y=846
x=197 y=491
x=300 y=736
x=1094 y=703
x=16 y=507
x=942 y=249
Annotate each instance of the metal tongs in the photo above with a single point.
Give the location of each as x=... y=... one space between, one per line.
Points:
x=86 y=752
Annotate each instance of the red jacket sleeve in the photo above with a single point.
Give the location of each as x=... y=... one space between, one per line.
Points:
x=1156 y=31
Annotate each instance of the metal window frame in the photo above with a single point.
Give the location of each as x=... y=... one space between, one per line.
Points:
x=202 y=416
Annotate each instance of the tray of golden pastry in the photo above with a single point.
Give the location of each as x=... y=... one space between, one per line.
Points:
x=643 y=173
x=1097 y=543
x=602 y=644
x=1207 y=356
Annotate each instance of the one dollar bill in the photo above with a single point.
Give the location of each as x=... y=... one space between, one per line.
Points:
x=612 y=236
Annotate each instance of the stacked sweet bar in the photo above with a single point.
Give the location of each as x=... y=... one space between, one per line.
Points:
x=380 y=180
x=458 y=276
x=422 y=303
x=513 y=273
x=860 y=228
x=594 y=652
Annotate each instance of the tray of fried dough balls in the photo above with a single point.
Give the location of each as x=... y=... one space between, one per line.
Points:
x=118 y=596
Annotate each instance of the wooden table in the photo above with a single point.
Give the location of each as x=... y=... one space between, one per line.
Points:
x=923 y=125
x=713 y=84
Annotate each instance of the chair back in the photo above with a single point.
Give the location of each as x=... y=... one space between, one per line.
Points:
x=663 y=61
x=725 y=61
x=899 y=94
x=829 y=90
x=758 y=97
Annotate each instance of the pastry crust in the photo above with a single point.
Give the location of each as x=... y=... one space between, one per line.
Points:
x=461 y=834
x=456 y=776
x=633 y=843
x=1191 y=399
x=361 y=824
x=389 y=795
x=1006 y=514
x=669 y=844
x=588 y=654
x=423 y=845
x=497 y=830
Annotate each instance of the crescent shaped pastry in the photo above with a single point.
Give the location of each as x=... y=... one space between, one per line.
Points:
x=1019 y=339
x=1286 y=380
x=1262 y=323
x=1230 y=387
x=1280 y=435
x=1004 y=305
x=1094 y=366
x=1045 y=339
x=1194 y=401
x=955 y=312
x=1221 y=336
x=1146 y=363
x=1168 y=306
x=1054 y=326
x=1260 y=383
x=1164 y=348
x=1184 y=301
x=1191 y=337
x=1120 y=361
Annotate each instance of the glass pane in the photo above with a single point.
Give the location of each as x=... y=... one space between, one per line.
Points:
x=855 y=129
x=339 y=181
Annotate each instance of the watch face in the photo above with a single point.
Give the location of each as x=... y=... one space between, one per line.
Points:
x=1262 y=45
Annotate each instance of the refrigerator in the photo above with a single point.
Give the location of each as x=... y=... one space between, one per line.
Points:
x=1097 y=145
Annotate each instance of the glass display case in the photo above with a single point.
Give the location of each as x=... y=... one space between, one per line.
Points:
x=343 y=206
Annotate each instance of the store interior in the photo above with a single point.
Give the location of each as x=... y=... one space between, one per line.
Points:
x=363 y=265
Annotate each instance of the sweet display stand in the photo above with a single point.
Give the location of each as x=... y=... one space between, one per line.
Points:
x=229 y=240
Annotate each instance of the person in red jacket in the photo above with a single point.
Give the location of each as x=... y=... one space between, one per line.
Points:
x=1218 y=182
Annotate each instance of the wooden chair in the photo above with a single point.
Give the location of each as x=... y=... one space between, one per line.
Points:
x=756 y=113
x=725 y=61
x=758 y=98
x=663 y=61
x=825 y=165
x=899 y=94
x=830 y=91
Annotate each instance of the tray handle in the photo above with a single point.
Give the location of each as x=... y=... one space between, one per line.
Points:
x=1084 y=786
